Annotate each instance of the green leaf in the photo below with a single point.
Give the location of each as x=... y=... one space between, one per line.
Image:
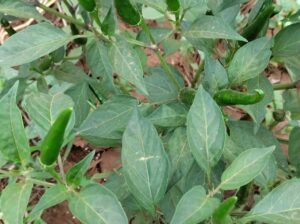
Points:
x=194 y=207
x=14 y=200
x=13 y=141
x=43 y=108
x=20 y=9
x=250 y=60
x=76 y=173
x=193 y=9
x=294 y=147
x=31 y=44
x=68 y=72
x=108 y=25
x=169 y=115
x=215 y=77
x=145 y=163
x=281 y=205
x=212 y=27
x=95 y=204
x=80 y=94
x=180 y=156
x=222 y=213
x=292 y=64
x=245 y=167
x=242 y=133
x=159 y=87
x=101 y=68
x=287 y=41
x=105 y=125
x=127 y=64
x=258 y=111
x=205 y=130
x=52 y=196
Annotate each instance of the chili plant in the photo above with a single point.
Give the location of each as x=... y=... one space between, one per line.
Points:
x=198 y=142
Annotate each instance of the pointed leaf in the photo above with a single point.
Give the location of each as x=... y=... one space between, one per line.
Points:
x=222 y=213
x=250 y=60
x=95 y=204
x=127 y=64
x=105 y=125
x=212 y=27
x=245 y=167
x=52 y=196
x=13 y=140
x=14 y=200
x=145 y=163
x=76 y=173
x=281 y=205
x=205 y=130
x=194 y=207
x=31 y=44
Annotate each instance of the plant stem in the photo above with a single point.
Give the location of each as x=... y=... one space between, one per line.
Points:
x=61 y=168
x=63 y=16
x=163 y=62
x=40 y=182
x=284 y=86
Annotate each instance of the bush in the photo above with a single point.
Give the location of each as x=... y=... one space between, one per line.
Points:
x=199 y=138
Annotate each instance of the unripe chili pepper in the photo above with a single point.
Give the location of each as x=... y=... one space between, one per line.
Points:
x=127 y=12
x=252 y=31
x=187 y=95
x=44 y=63
x=54 y=139
x=88 y=5
x=231 y=97
x=222 y=213
x=7 y=27
x=75 y=31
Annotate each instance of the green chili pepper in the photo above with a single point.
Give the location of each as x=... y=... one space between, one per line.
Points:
x=88 y=5
x=7 y=27
x=232 y=97
x=127 y=12
x=187 y=95
x=44 y=63
x=54 y=139
x=173 y=5
x=252 y=31
x=75 y=31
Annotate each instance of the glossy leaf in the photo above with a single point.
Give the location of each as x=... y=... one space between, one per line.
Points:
x=127 y=64
x=76 y=173
x=245 y=167
x=52 y=196
x=95 y=204
x=145 y=163
x=250 y=60
x=105 y=125
x=205 y=130
x=31 y=44
x=13 y=140
x=212 y=27
x=14 y=200
x=281 y=205
x=20 y=9
x=287 y=41
x=194 y=207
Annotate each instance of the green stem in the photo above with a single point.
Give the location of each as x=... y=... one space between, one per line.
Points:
x=40 y=182
x=163 y=62
x=63 y=16
x=285 y=86
x=198 y=75
x=61 y=168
